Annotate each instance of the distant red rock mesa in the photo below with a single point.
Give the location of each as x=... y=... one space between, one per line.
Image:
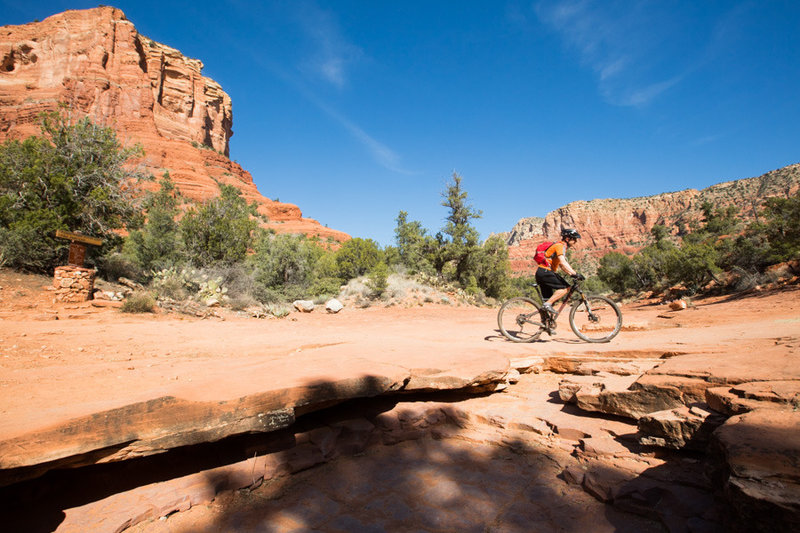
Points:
x=624 y=225
x=98 y=64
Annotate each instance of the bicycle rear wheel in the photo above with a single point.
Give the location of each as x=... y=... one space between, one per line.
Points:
x=521 y=320
x=595 y=319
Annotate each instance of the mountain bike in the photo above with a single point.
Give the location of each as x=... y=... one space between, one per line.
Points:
x=593 y=318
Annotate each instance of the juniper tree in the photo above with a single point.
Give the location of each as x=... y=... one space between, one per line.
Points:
x=462 y=243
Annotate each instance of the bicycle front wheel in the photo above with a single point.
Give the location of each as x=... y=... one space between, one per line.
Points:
x=521 y=320
x=595 y=319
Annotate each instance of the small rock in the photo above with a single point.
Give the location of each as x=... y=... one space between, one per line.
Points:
x=678 y=305
x=257 y=311
x=306 y=306
x=106 y=303
x=129 y=283
x=333 y=305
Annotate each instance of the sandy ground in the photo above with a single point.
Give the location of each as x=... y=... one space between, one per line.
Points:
x=63 y=360
x=59 y=361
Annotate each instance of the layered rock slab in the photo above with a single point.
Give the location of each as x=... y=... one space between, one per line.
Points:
x=758 y=455
x=486 y=452
x=684 y=403
x=236 y=398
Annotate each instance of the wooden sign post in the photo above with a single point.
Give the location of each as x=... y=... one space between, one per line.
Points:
x=77 y=246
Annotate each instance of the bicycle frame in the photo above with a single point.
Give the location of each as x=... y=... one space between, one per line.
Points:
x=565 y=302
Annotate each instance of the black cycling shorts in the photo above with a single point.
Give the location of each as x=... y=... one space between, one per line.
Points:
x=549 y=282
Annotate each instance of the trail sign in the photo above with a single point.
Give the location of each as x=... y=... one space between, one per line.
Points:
x=77 y=246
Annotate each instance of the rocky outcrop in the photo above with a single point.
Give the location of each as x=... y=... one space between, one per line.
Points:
x=744 y=416
x=624 y=225
x=97 y=64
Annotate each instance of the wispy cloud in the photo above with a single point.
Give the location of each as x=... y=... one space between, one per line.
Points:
x=331 y=53
x=325 y=54
x=618 y=41
x=382 y=154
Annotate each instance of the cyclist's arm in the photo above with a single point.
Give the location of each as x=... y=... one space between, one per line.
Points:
x=563 y=263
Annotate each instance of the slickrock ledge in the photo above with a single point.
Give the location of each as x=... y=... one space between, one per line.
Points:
x=233 y=404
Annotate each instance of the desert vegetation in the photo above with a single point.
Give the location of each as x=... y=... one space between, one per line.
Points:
x=721 y=252
x=76 y=176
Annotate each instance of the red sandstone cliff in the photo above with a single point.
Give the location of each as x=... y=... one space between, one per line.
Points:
x=99 y=65
x=624 y=224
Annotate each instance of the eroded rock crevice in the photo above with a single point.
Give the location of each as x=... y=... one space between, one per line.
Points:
x=684 y=468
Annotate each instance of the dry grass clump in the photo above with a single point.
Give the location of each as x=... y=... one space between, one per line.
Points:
x=139 y=302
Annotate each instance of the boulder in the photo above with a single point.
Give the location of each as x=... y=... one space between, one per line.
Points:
x=682 y=427
x=305 y=306
x=678 y=305
x=617 y=395
x=333 y=305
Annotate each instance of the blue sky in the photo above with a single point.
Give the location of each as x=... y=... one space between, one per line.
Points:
x=354 y=110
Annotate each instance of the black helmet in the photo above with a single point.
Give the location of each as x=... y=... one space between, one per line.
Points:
x=570 y=234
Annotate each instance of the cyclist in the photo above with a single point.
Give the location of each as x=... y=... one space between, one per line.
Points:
x=554 y=287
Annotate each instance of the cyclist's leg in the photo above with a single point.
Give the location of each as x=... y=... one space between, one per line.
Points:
x=554 y=287
x=557 y=295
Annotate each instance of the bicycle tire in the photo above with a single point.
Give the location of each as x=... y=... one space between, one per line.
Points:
x=517 y=313
x=603 y=325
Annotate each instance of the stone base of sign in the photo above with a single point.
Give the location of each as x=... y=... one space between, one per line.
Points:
x=73 y=283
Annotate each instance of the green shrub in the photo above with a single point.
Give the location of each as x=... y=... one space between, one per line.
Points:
x=782 y=227
x=278 y=310
x=378 y=280
x=616 y=271
x=219 y=231
x=237 y=278
x=328 y=287
x=414 y=246
x=522 y=286
x=455 y=254
x=356 y=257
x=461 y=244
x=288 y=267
x=114 y=265
x=694 y=265
x=176 y=283
x=157 y=245
x=491 y=268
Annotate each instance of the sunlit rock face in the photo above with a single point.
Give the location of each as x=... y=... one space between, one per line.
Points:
x=624 y=225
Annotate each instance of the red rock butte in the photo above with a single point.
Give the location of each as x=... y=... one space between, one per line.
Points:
x=624 y=225
x=96 y=63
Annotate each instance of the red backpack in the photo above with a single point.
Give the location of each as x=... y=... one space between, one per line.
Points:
x=540 y=256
